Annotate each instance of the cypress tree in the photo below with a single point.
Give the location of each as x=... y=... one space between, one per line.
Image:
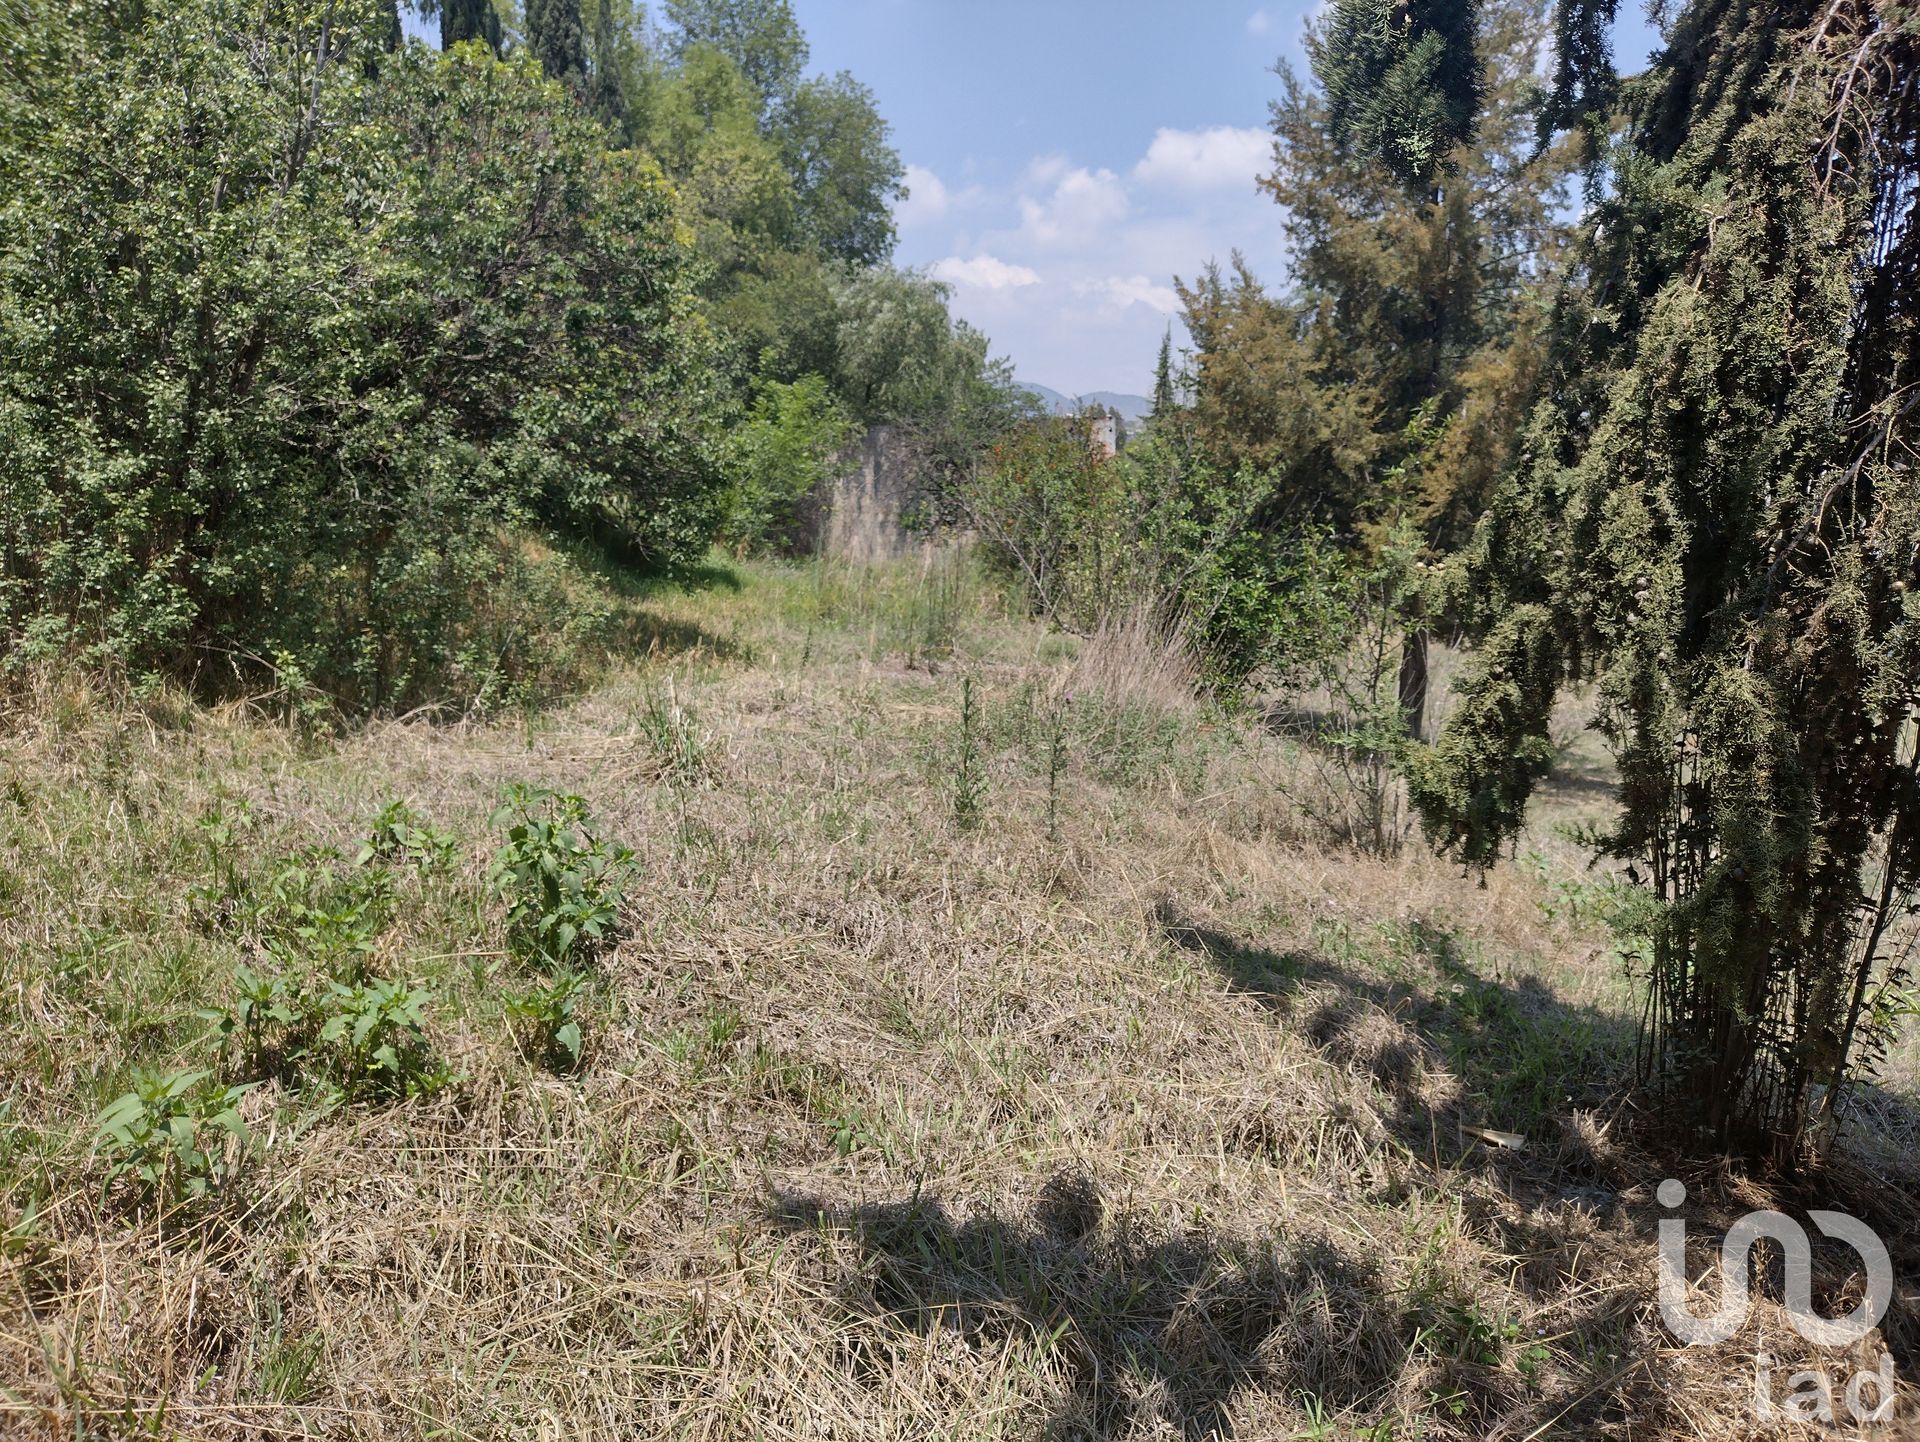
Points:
x=1164 y=402
x=462 y=20
x=1402 y=81
x=1717 y=520
x=558 y=39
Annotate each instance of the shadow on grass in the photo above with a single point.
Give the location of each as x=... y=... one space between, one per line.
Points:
x=640 y=632
x=1151 y=1332
x=632 y=578
x=1524 y=1057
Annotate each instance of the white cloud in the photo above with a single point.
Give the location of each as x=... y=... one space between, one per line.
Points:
x=1212 y=159
x=928 y=198
x=1121 y=291
x=1083 y=202
x=1045 y=170
x=984 y=272
x=1259 y=23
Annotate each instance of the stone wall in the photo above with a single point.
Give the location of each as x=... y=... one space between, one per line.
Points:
x=857 y=516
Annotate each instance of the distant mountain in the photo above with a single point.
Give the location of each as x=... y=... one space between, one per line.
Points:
x=1131 y=408
x=1056 y=404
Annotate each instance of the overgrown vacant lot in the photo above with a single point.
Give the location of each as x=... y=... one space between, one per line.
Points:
x=965 y=1061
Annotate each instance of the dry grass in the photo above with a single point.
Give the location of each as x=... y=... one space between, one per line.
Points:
x=884 y=1129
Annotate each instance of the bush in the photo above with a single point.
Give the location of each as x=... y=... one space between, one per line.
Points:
x=782 y=453
x=1095 y=538
x=562 y=883
x=278 y=383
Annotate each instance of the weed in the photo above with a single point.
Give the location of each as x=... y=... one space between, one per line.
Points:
x=365 y=1034
x=545 y=1017
x=376 y=1035
x=1320 y=1426
x=682 y=746
x=1056 y=762
x=563 y=884
x=290 y=1368
x=851 y=1132
x=315 y=915
x=173 y=1138
x=262 y=1001
x=400 y=835
x=969 y=770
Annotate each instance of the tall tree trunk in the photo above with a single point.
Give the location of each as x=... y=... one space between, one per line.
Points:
x=1413 y=681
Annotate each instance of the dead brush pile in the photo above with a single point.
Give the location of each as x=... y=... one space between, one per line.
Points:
x=1163 y=1120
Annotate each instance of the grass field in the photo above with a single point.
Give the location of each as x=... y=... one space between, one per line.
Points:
x=987 y=1040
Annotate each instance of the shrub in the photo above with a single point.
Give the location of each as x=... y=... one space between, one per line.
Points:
x=278 y=384
x=1159 y=531
x=173 y=1136
x=783 y=452
x=562 y=883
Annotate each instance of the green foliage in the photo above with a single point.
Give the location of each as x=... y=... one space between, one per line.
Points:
x=1402 y=80
x=400 y=835
x=313 y=913
x=846 y=177
x=1709 y=520
x=562 y=883
x=373 y=1035
x=781 y=454
x=557 y=36
x=969 y=765
x=173 y=1136
x=760 y=37
x=1159 y=525
x=365 y=1036
x=275 y=398
x=544 y=1014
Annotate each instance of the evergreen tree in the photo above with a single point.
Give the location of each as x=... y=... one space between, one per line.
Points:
x=1716 y=517
x=1419 y=298
x=1164 y=401
x=558 y=39
x=1402 y=81
x=462 y=20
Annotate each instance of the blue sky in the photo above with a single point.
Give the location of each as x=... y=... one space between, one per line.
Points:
x=1068 y=158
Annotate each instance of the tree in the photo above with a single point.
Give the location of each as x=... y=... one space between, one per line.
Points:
x=463 y=20
x=312 y=362
x=761 y=37
x=1402 y=82
x=846 y=177
x=1164 y=400
x=1715 y=517
x=1418 y=296
x=558 y=39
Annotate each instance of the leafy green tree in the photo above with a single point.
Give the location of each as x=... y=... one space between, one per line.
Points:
x=274 y=391
x=1715 y=517
x=846 y=177
x=761 y=38
x=704 y=126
